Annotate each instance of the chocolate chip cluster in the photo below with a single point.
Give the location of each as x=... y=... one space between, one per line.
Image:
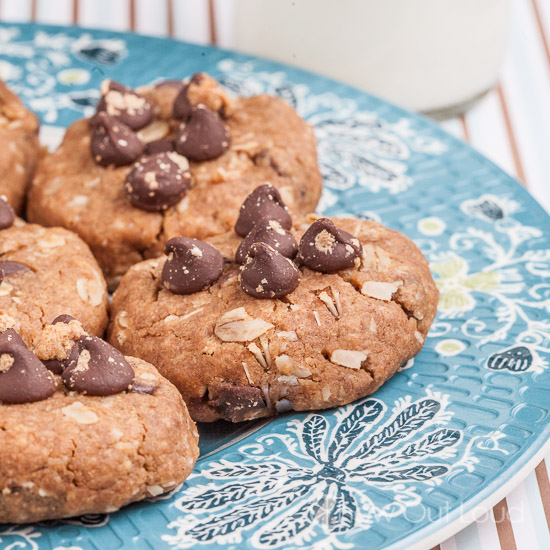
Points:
x=86 y=365
x=160 y=176
x=266 y=253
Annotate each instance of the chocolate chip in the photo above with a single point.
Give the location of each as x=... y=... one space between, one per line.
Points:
x=63 y=318
x=113 y=142
x=122 y=103
x=182 y=105
x=264 y=202
x=160 y=146
x=327 y=249
x=23 y=378
x=269 y=232
x=238 y=403
x=268 y=274
x=7 y=268
x=158 y=181
x=191 y=266
x=204 y=136
x=7 y=215
x=57 y=366
x=99 y=369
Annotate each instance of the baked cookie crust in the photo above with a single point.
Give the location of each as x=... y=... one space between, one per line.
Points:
x=334 y=339
x=19 y=147
x=269 y=143
x=60 y=276
x=74 y=454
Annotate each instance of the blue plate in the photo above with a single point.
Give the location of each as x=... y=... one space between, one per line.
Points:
x=445 y=437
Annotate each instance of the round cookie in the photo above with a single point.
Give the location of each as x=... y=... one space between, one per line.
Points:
x=268 y=142
x=19 y=147
x=46 y=272
x=336 y=337
x=69 y=453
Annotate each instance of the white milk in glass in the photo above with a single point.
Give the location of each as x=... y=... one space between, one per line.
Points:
x=427 y=55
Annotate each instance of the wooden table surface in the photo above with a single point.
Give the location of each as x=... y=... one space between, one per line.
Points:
x=511 y=126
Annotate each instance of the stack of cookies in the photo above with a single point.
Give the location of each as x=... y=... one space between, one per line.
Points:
x=232 y=300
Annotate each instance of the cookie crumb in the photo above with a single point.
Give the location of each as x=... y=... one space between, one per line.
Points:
x=56 y=341
x=6 y=362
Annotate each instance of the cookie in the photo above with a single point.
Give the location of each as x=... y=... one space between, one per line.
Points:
x=127 y=189
x=107 y=431
x=261 y=339
x=19 y=147
x=45 y=272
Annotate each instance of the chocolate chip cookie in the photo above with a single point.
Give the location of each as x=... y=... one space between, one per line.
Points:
x=94 y=433
x=19 y=147
x=45 y=272
x=176 y=159
x=316 y=317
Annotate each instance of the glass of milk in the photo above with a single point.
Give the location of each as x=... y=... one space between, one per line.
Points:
x=434 y=56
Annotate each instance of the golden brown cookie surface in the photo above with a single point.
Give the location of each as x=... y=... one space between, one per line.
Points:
x=336 y=338
x=19 y=147
x=48 y=272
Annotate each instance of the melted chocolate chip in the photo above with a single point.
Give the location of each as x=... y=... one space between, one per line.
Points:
x=264 y=202
x=7 y=215
x=160 y=146
x=23 y=378
x=57 y=366
x=191 y=266
x=113 y=142
x=99 y=369
x=204 y=136
x=122 y=103
x=158 y=181
x=238 y=403
x=268 y=274
x=7 y=268
x=182 y=105
x=269 y=232
x=327 y=249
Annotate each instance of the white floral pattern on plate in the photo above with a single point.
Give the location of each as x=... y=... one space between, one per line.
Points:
x=317 y=481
